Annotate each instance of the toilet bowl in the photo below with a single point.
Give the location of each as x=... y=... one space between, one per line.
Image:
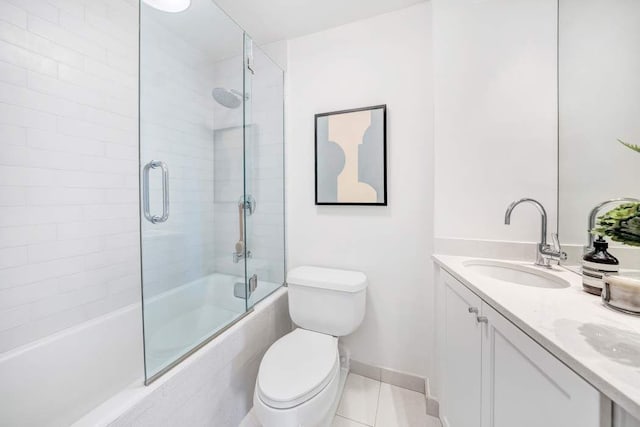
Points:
x=300 y=378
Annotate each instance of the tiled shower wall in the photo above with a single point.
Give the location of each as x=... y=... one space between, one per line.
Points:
x=68 y=164
x=176 y=127
x=265 y=168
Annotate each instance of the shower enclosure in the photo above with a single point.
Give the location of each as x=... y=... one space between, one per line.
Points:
x=211 y=178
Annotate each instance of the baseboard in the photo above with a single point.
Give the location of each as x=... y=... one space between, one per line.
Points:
x=389 y=376
x=433 y=406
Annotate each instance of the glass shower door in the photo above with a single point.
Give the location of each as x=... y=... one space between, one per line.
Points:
x=191 y=163
x=263 y=173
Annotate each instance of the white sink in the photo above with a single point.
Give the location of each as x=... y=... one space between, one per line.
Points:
x=516 y=273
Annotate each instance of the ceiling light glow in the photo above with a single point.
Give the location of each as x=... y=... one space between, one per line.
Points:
x=172 y=6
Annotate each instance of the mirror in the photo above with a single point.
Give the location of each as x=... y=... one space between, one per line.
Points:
x=599 y=110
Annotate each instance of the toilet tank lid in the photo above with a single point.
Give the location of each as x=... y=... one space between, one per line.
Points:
x=327 y=278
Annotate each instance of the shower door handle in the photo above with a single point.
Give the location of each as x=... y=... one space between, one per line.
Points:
x=155 y=219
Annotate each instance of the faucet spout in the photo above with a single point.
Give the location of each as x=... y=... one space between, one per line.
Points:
x=545 y=251
x=541 y=209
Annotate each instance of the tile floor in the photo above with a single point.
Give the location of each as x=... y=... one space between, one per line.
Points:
x=367 y=402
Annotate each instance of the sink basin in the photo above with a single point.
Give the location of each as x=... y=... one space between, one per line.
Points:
x=517 y=274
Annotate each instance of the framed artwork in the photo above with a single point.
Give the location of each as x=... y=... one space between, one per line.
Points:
x=351 y=157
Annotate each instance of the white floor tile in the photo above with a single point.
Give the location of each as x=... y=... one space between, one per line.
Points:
x=399 y=407
x=360 y=399
x=250 y=420
x=339 y=421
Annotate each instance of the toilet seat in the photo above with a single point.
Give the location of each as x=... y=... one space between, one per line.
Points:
x=296 y=368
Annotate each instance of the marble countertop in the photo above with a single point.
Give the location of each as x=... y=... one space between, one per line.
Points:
x=598 y=343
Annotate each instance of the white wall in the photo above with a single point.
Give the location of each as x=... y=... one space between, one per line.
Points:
x=382 y=60
x=495 y=116
x=68 y=164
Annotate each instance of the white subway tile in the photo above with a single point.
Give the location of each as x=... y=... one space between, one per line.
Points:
x=119 y=151
x=63 y=249
x=26 y=117
x=38 y=8
x=83 y=129
x=14 y=317
x=21 y=57
x=13 y=257
x=63 y=196
x=91 y=227
x=121 y=195
x=65 y=90
x=65 y=38
x=18 y=95
x=20 y=215
x=40 y=45
x=24 y=294
x=99 y=7
x=74 y=7
x=13 y=135
x=11 y=74
x=13 y=14
x=12 y=196
x=68 y=300
x=69 y=245
x=16 y=276
x=56 y=142
x=108 y=257
x=114 y=120
x=24 y=235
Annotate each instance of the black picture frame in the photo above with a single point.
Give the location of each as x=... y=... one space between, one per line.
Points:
x=383 y=107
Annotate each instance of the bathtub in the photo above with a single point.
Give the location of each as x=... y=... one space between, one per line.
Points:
x=182 y=319
x=91 y=372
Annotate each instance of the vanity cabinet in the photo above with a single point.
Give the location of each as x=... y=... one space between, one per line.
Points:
x=461 y=348
x=493 y=375
x=622 y=419
x=524 y=385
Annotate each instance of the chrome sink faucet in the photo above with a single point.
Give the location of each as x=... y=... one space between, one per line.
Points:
x=545 y=252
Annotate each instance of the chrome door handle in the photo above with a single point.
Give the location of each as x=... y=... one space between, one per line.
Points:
x=154 y=219
x=473 y=310
x=482 y=319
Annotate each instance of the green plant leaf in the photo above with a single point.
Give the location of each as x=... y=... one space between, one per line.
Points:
x=621 y=224
x=631 y=146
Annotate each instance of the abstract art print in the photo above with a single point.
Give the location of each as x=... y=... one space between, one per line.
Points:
x=351 y=157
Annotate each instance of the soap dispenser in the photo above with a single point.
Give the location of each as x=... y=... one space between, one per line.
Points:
x=596 y=265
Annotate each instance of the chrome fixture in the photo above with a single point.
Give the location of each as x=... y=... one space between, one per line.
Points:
x=229 y=98
x=545 y=252
x=594 y=213
x=240 y=290
x=245 y=204
x=154 y=219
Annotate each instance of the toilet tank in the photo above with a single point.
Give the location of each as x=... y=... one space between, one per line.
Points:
x=327 y=300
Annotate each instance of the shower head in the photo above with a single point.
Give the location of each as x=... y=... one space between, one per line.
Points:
x=229 y=98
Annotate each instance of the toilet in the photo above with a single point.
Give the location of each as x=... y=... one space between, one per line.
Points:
x=301 y=378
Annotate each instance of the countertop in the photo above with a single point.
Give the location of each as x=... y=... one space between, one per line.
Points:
x=599 y=344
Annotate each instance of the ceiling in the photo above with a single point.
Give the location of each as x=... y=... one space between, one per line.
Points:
x=203 y=26
x=273 y=20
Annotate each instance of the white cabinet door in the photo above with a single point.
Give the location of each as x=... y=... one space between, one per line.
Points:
x=526 y=386
x=622 y=419
x=461 y=363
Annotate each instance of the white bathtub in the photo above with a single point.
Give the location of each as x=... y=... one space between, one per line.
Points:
x=181 y=319
x=62 y=378
x=56 y=380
